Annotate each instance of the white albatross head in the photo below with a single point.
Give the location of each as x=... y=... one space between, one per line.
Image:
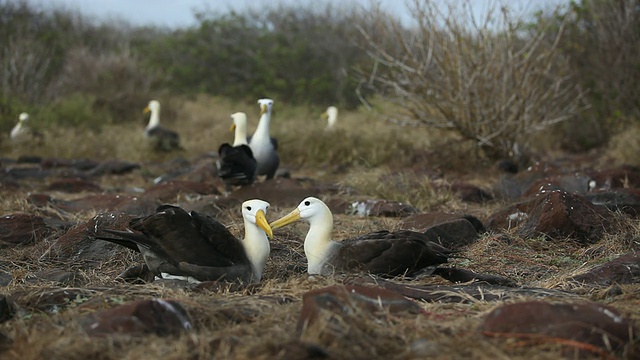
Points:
x=256 y=231
x=266 y=105
x=23 y=117
x=331 y=114
x=311 y=209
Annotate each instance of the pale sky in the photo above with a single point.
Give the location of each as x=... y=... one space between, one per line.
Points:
x=178 y=13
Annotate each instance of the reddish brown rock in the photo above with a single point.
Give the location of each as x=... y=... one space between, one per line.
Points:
x=373 y=207
x=584 y=323
x=622 y=270
x=73 y=185
x=21 y=229
x=100 y=202
x=574 y=183
x=156 y=316
x=555 y=214
x=79 y=243
x=341 y=300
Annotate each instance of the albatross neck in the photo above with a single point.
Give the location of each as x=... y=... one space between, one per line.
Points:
x=154 y=119
x=240 y=137
x=262 y=131
x=256 y=245
x=318 y=246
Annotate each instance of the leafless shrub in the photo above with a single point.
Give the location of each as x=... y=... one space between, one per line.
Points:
x=24 y=66
x=486 y=79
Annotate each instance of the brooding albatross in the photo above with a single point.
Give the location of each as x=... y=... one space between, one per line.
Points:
x=331 y=114
x=236 y=164
x=382 y=252
x=174 y=242
x=160 y=137
x=22 y=132
x=262 y=144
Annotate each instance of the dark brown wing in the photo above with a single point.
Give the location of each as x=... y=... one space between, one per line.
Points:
x=193 y=239
x=237 y=166
x=390 y=253
x=219 y=238
x=164 y=139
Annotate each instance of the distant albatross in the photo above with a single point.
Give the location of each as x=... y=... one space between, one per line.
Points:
x=22 y=132
x=160 y=137
x=382 y=252
x=262 y=144
x=192 y=245
x=236 y=164
x=331 y=114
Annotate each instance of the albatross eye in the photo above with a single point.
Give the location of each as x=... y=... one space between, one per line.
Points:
x=248 y=208
x=307 y=203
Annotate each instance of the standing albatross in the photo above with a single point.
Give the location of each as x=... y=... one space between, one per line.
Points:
x=160 y=137
x=236 y=164
x=382 y=252
x=174 y=242
x=262 y=144
x=331 y=114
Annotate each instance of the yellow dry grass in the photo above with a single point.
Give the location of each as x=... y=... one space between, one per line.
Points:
x=261 y=324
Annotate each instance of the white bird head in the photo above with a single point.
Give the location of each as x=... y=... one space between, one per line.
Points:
x=311 y=209
x=266 y=105
x=331 y=114
x=239 y=120
x=255 y=211
x=154 y=106
x=23 y=117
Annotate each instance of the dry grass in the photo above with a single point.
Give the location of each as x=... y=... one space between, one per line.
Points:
x=259 y=323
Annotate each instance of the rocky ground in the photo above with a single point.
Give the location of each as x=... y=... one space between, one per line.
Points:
x=546 y=266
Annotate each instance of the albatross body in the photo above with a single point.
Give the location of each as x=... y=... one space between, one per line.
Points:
x=21 y=132
x=382 y=252
x=197 y=246
x=262 y=144
x=236 y=164
x=160 y=137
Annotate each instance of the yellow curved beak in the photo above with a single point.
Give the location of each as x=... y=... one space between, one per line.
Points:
x=233 y=127
x=261 y=221
x=287 y=219
x=146 y=110
x=263 y=109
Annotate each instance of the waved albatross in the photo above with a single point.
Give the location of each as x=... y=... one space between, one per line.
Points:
x=382 y=252
x=160 y=137
x=236 y=164
x=331 y=114
x=176 y=243
x=262 y=144
x=22 y=132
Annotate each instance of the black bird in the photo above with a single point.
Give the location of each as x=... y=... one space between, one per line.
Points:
x=192 y=245
x=236 y=164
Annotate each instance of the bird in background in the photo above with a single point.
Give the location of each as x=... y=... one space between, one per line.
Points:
x=158 y=136
x=236 y=164
x=265 y=147
x=331 y=114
